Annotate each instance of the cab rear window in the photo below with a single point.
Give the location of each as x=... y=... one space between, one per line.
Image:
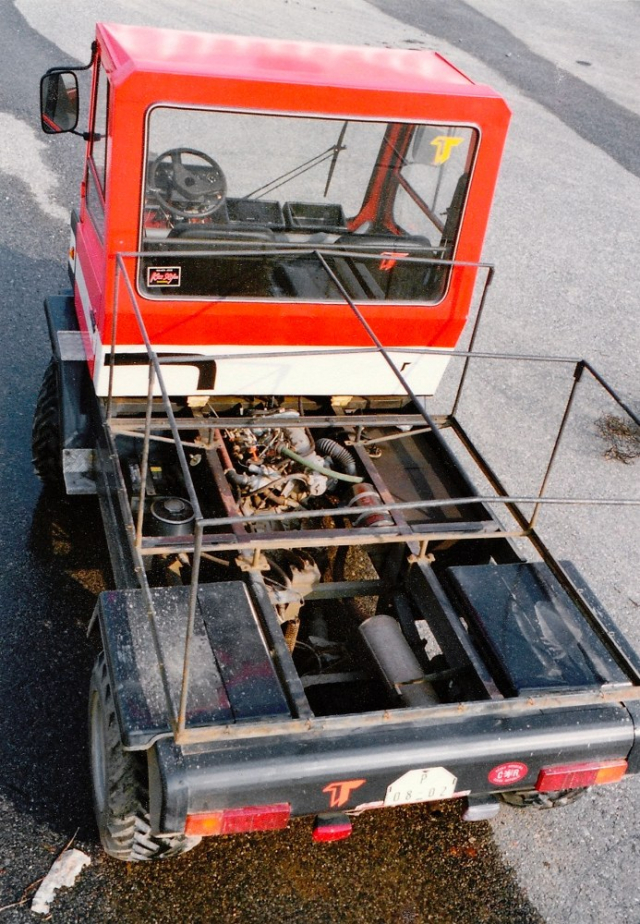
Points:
x=250 y=205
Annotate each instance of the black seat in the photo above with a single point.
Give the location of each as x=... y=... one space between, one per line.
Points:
x=229 y=231
x=243 y=268
x=392 y=277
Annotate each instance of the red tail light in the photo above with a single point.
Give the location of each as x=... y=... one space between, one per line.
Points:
x=240 y=820
x=575 y=776
x=333 y=826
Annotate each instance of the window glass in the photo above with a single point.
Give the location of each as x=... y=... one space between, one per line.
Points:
x=97 y=163
x=99 y=142
x=95 y=202
x=251 y=205
x=434 y=179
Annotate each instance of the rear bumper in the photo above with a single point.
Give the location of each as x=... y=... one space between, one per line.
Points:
x=305 y=769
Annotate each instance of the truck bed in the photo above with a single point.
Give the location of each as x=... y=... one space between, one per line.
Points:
x=513 y=661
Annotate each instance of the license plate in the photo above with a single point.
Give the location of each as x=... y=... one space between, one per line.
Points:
x=428 y=785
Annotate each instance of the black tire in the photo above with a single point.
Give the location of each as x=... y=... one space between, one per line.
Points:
x=120 y=785
x=46 y=440
x=530 y=798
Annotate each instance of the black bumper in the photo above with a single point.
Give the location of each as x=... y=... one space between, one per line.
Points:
x=302 y=768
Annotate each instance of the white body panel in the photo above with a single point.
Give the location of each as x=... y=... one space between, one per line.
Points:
x=348 y=373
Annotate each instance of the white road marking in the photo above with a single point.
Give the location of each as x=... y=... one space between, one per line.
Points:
x=29 y=166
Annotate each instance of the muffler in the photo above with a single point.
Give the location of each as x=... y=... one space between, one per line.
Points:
x=396 y=661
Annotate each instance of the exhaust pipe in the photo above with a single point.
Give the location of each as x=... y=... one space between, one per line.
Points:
x=396 y=661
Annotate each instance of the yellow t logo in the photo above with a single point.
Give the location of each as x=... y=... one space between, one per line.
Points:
x=444 y=144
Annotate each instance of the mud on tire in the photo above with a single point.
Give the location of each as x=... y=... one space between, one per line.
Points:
x=120 y=785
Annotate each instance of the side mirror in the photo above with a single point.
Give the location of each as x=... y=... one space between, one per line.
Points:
x=59 y=102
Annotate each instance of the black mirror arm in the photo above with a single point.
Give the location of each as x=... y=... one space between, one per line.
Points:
x=74 y=67
x=87 y=136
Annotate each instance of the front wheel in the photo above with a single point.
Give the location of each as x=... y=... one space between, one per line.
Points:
x=120 y=785
x=46 y=441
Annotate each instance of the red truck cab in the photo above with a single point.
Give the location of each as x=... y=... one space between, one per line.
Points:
x=255 y=187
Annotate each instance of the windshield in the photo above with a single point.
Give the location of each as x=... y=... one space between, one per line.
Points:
x=241 y=205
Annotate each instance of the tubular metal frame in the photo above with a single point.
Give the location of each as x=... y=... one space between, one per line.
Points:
x=208 y=538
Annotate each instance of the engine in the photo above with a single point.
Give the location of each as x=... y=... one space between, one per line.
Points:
x=275 y=469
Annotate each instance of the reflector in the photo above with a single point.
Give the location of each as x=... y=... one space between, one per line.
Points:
x=239 y=820
x=575 y=776
x=334 y=826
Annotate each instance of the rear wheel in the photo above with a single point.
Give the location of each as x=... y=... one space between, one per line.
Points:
x=531 y=798
x=120 y=785
x=46 y=442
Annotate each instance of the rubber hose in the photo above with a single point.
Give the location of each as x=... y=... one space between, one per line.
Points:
x=328 y=472
x=238 y=478
x=338 y=453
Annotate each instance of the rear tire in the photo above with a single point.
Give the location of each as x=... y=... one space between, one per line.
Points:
x=46 y=441
x=120 y=785
x=531 y=798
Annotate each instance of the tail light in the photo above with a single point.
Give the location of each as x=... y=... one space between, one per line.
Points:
x=239 y=820
x=575 y=776
x=333 y=826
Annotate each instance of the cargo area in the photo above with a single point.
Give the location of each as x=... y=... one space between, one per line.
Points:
x=286 y=560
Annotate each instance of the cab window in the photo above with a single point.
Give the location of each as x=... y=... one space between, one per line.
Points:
x=97 y=164
x=255 y=205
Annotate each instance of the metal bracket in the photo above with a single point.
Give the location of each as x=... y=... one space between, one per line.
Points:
x=257 y=562
x=423 y=557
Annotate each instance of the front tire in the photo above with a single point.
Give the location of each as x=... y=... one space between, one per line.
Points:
x=120 y=785
x=46 y=441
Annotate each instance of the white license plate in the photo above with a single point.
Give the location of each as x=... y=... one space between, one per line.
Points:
x=427 y=785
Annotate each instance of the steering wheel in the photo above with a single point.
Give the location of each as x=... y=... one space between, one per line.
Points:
x=188 y=190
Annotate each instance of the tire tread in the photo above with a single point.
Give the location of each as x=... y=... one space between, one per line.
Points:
x=124 y=822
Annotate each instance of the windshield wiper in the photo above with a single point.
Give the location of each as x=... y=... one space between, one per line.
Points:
x=289 y=175
x=339 y=146
x=295 y=172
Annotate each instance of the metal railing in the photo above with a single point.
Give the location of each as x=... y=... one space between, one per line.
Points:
x=235 y=533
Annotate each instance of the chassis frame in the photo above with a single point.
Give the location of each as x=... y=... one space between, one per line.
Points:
x=194 y=764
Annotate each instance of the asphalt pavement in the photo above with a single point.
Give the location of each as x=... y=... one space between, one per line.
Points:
x=564 y=236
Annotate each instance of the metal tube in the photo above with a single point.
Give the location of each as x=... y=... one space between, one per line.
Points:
x=191 y=618
x=556 y=446
x=383 y=351
x=474 y=334
x=180 y=722
x=144 y=468
x=390 y=437
x=610 y=391
x=303 y=539
x=373 y=253
x=114 y=325
x=182 y=459
x=120 y=424
x=136 y=435
x=505 y=499
x=350 y=351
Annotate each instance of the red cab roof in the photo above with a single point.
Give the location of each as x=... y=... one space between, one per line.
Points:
x=157 y=51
